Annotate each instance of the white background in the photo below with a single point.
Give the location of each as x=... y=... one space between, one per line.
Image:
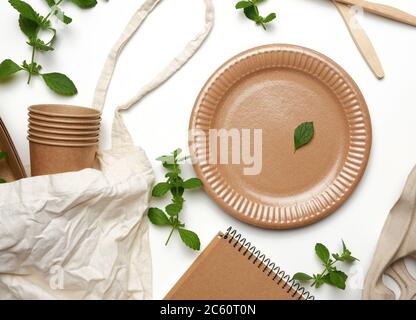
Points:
x=159 y=124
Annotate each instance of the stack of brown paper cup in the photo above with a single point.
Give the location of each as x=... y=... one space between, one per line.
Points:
x=62 y=138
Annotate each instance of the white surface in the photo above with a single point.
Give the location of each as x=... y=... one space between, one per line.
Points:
x=159 y=124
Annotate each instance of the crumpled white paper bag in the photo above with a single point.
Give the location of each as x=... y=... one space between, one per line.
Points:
x=79 y=235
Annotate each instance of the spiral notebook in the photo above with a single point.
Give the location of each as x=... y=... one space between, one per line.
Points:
x=231 y=268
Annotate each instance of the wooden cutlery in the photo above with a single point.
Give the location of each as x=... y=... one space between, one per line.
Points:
x=360 y=37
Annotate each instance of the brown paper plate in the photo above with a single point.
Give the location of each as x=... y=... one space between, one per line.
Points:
x=78 y=132
x=57 y=110
x=63 y=120
x=40 y=123
x=59 y=137
x=275 y=88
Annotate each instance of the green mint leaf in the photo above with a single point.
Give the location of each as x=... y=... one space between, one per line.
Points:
x=39 y=45
x=28 y=27
x=2 y=181
x=349 y=259
x=62 y=17
x=338 y=279
x=344 y=247
x=173 y=209
x=337 y=257
x=3 y=155
x=345 y=258
x=322 y=252
x=160 y=189
x=345 y=251
x=177 y=192
x=243 y=4
x=252 y=13
x=66 y=19
x=171 y=175
x=158 y=217
x=169 y=166
x=269 y=18
x=326 y=279
x=60 y=84
x=302 y=277
x=304 y=134
x=50 y=3
x=190 y=239
x=168 y=159
x=192 y=183
x=8 y=68
x=346 y=254
x=26 y=10
x=85 y=4
x=176 y=153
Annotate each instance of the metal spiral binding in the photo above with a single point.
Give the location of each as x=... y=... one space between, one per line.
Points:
x=244 y=246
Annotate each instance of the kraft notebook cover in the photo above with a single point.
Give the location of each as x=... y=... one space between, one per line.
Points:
x=231 y=268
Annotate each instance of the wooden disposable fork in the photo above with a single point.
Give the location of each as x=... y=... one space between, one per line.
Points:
x=360 y=37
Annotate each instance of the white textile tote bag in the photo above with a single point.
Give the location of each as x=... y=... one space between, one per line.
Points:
x=84 y=235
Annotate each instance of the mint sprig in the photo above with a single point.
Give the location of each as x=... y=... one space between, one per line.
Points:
x=176 y=186
x=330 y=275
x=32 y=24
x=252 y=12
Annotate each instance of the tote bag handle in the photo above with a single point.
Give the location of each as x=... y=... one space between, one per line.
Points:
x=120 y=134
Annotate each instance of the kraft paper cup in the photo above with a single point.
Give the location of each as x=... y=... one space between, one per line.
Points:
x=66 y=132
x=59 y=137
x=48 y=157
x=66 y=126
x=65 y=111
x=65 y=120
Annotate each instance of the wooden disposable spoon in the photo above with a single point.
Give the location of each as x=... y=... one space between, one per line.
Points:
x=361 y=39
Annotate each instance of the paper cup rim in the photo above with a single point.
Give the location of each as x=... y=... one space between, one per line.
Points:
x=90 y=112
x=69 y=132
x=62 y=144
x=64 y=126
x=64 y=120
x=62 y=138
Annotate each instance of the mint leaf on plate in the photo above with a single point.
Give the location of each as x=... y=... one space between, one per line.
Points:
x=304 y=134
